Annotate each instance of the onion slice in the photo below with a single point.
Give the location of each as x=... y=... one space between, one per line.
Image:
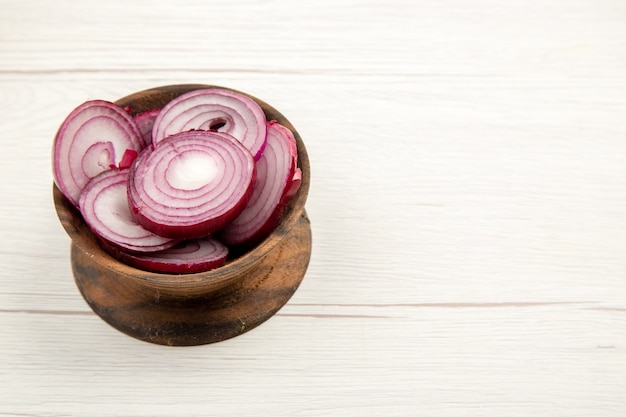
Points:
x=145 y=123
x=96 y=136
x=192 y=184
x=186 y=257
x=104 y=206
x=214 y=109
x=293 y=187
x=274 y=186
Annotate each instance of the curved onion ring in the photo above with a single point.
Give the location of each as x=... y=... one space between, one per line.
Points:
x=186 y=257
x=96 y=136
x=192 y=184
x=104 y=206
x=277 y=181
x=214 y=109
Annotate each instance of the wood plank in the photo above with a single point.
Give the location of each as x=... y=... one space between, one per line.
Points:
x=467 y=195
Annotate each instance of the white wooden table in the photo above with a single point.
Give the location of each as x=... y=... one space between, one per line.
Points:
x=468 y=207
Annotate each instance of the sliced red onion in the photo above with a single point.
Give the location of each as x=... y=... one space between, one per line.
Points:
x=186 y=257
x=214 y=109
x=192 y=184
x=296 y=180
x=104 y=206
x=145 y=122
x=127 y=159
x=94 y=137
x=275 y=179
x=294 y=185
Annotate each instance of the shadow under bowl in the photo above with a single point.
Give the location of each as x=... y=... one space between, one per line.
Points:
x=198 y=308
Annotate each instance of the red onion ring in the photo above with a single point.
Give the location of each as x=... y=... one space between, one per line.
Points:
x=192 y=184
x=93 y=138
x=214 y=109
x=186 y=257
x=104 y=206
x=274 y=186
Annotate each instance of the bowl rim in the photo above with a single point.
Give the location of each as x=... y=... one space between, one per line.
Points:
x=214 y=279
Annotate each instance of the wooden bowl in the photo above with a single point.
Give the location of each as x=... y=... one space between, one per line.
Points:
x=200 y=308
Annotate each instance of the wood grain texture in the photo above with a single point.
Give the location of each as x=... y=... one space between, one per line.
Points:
x=467 y=209
x=191 y=320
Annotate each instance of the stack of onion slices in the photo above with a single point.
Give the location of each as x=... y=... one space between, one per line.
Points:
x=173 y=190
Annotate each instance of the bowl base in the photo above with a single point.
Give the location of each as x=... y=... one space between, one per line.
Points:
x=206 y=319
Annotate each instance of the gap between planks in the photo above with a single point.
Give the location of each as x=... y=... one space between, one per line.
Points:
x=318 y=315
